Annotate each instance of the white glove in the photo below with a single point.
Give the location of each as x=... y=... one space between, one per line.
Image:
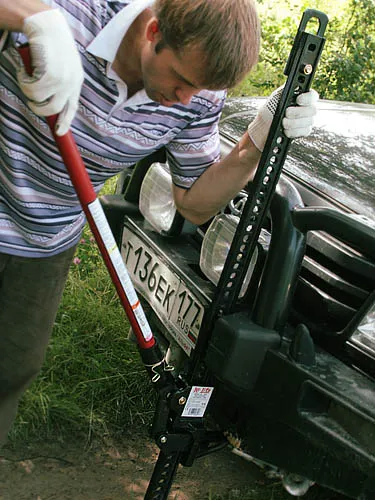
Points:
x=298 y=121
x=55 y=85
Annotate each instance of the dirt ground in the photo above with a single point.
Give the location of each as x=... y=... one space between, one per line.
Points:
x=121 y=471
x=108 y=471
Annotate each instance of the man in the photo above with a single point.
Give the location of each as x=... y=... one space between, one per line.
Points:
x=154 y=76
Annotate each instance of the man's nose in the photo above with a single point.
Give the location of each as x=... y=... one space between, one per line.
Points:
x=185 y=95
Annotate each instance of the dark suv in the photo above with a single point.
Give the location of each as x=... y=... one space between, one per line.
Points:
x=293 y=363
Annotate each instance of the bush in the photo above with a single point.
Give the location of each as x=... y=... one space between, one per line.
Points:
x=346 y=70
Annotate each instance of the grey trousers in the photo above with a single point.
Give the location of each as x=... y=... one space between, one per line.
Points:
x=30 y=293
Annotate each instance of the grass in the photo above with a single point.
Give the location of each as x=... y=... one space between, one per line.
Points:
x=92 y=380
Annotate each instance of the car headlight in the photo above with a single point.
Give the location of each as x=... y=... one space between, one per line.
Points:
x=364 y=336
x=215 y=248
x=156 y=202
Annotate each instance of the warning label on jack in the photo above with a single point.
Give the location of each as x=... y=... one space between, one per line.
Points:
x=197 y=401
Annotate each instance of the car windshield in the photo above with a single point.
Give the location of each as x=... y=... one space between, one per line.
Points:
x=338 y=158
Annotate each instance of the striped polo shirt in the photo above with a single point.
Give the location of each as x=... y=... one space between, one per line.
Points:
x=39 y=211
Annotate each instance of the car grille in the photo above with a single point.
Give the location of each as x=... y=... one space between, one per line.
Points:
x=335 y=280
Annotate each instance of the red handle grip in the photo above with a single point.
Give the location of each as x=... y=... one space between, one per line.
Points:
x=67 y=147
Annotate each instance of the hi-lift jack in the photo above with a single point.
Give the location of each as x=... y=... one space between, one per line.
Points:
x=181 y=438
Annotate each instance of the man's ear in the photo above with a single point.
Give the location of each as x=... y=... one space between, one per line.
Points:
x=153 y=33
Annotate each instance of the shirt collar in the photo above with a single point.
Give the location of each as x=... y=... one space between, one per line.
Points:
x=107 y=42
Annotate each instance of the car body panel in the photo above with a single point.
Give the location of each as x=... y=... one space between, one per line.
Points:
x=338 y=158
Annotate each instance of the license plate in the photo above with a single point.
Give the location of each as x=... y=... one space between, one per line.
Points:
x=164 y=290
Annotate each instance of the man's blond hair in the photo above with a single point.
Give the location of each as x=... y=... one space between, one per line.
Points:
x=227 y=32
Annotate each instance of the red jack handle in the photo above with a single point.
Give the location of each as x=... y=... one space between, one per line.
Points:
x=99 y=226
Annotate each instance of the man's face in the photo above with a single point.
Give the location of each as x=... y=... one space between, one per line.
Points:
x=171 y=77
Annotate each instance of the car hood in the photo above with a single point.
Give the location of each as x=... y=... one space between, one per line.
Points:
x=338 y=157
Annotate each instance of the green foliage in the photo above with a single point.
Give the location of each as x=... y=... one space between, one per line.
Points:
x=348 y=65
x=346 y=69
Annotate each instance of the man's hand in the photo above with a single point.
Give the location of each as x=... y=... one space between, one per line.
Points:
x=55 y=85
x=298 y=119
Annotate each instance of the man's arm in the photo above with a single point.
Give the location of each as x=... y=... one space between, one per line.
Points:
x=219 y=183
x=55 y=85
x=224 y=179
